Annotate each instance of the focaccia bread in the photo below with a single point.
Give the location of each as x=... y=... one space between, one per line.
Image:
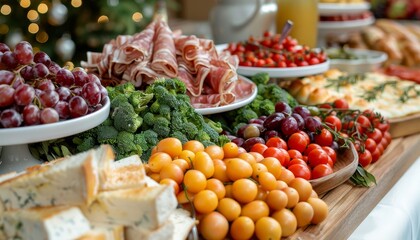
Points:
x=390 y=96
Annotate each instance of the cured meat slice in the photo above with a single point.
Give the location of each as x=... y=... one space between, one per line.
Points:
x=164 y=56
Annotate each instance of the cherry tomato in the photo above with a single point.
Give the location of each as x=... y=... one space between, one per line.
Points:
x=341 y=103
x=331 y=153
x=324 y=138
x=376 y=135
x=259 y=148
x=317 y=156
x=365 y=158
x=297 y=141
x=277 y=153
x=293 y=153
x=311 y=147
x=333 y=122
x=297 y=161
x=370 y=144
x=375 y=155
x=314 y=61
x=363 y=121
x=321 y=170
x=300 y=170
x=276 y=142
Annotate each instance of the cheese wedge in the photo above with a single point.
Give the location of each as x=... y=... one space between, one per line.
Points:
x=183 y=223
x=53 y=223
x=72 y=180
x=102 y=231
x=147 y=207
x=163 y=232
x=125 y=173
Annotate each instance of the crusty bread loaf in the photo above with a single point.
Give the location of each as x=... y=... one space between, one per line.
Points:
x=73 y=180
x=147 y=207
x=52 y=223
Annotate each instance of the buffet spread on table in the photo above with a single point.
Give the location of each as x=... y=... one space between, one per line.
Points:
x=163 y=135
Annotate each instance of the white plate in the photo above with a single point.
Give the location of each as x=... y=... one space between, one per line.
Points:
x=345 y=25
x=43 y=132
x=281 y=72
x=237 y=104
x=325 y=9
x=368 y=60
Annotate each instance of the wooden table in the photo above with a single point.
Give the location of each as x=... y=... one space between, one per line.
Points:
x=349 y=205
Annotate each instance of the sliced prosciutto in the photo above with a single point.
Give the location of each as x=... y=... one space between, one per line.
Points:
x=164 y=55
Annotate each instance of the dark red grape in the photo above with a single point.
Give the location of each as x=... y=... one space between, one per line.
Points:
x=18 y=81
x=64 y=93
x=300 y=121
x=289 y=126
x=62 y=109
x=256 y=120
x=80 y=76
x=6 y=77
x=42 y=57
x=312 y=124
x=240 y=131
x=64 y=77
x=9 y=60
x=6 y=93
x=247 y=145
x=77 y=91
x=104 y=94
x=262 y=117
x=95 y=79
x=49 y=98
x=10 y=118
x=283 y=107
x=91 y=93
x=24 y=94
x=239 y=141
x=46 y=85
x=48 y=115
x=27 y=73
x=4 y=47
x=54 y=68
x=24 y=53
x=31 y=114
x=78 y=107
x=269 y=134
x=273 y=121
x=302 y=111
x=40 y=70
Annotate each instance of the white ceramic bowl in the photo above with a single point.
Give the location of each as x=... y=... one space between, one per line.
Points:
x=367 y=60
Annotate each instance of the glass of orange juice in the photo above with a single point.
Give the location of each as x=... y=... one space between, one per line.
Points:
x=304 y=15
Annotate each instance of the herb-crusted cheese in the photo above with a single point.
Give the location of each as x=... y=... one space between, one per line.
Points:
x=53 y=223
x=147 y=207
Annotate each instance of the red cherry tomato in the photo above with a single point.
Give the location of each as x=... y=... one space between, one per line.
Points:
x=333 y=122
x=293 y=153
x=297 y=141
x=363 y=121
x=277 y=153
x=317 y=156
x=375 y=155
x=376 y=135
x=331 y=153
x=365 y=158
x=300 y=170
x=341 y=103
x=321 y=170
x=259 y=148
x=311 y=147
x=276 y=142
x=324 y=138
x=297 y=161
x=370 y=144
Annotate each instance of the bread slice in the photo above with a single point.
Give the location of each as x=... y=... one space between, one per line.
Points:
x=125 y=173
x=72 y=180
x=183 y=222
x=53 y=223
x=102 y=231
x=147 y=207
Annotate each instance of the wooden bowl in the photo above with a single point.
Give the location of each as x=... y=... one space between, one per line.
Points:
x=344 y=168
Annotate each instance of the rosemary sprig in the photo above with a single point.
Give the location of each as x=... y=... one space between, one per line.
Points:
x=344 y=80
x=409 y=92
x=370 y=95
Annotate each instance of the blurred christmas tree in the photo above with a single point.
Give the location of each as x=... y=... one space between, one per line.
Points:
x=67 y=29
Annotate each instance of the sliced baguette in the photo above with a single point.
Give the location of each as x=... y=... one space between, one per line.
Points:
x=125 y=173
x=72 y=180
x=147 y=207
x=163 y=232
x=183 y=223
x=53 y=223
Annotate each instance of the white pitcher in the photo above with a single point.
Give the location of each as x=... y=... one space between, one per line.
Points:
x=236 y=20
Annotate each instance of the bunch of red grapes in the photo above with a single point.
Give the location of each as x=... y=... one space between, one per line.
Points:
x=36 y=90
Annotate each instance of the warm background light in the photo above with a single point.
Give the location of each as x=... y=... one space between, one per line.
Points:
x=42 y=37
x=5 y=9
x=103 y=19
x=4 y=29
x=33 y=28
x=42 y=8
x=32 y=15
x=76 y=3
x=25 y=3
x=137 y=17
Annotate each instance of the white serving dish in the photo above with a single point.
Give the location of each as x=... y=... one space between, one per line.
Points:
x=326 y=9
x=367 y=61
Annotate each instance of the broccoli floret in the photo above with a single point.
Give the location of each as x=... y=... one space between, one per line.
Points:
x=194 y=117
x=161 y=126
x=86 y=144
x=174 y=86
x=266 y=108
x=207 y=143
x=180 y=136
x=177 y=121
x=276 y=94
x=151 y=137
x=165 y=111
x=126 y=88
x=245 y=114
x=107 y=122
x=222 y=140
x=211 y=132
x=190 y=130
x=120 y=101
x=112 y=93
x=154 y=108
x=140 y=140
x=217 y=126
x=261 y=78
x=203 y=136
x=125 y=145
x=149 y=119
x=139 y=100
x=107 y=134
x=125 y=119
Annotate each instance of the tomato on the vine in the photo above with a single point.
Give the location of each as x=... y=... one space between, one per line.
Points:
x=297 y=141
x=276 y=142
x=321 y=170
x=365 y=158
x=375 y=134
x=259 y=148
x=333 y=122
x=278 y=154
x=341 y=104
x=300 y=170
x=324 y=138
x=363 y=121
x=317 y=156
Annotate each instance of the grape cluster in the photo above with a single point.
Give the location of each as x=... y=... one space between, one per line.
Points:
x=36 y=90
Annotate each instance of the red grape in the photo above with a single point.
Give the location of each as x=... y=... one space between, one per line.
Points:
x=10 y=118
x=9 y=60
x=27 y=73
x=31 y=115
x=46 y=85
x=91 y=93
x=24 y=53
x=49 y=98
x=64 y=93
x=312 y=124
x=4 y=47
x=48 y=115
x=6 y=93
x=6 y=77
x=24 y=94
x=78 y=107
x=80 y=76
x=283 y=107
x=64 y=77
x=289 y=126
x=42 y=57
x=62 y=108
x=40 y=70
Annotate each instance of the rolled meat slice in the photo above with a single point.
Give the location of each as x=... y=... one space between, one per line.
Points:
x=164 y=56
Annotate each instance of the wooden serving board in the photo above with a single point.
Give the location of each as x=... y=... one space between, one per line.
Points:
x=405 y=126
x=350 y=205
